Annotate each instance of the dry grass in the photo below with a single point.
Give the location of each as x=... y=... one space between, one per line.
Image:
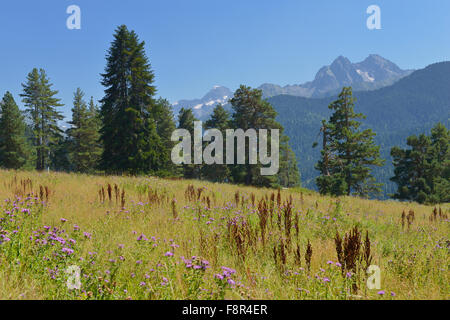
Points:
x=279 y=245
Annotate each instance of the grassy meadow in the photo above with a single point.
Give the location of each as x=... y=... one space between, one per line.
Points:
x=149 y=238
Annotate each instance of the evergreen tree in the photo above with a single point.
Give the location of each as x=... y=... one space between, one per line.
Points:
x=220 y=120
x=251 y=111
x=41 y=107
x=131 y=143
x=440 y=164
x=165 y=125
x=60 y=158
x=14 y=149
x=348 y=154
x=93 y=136
x=83 y=135
x=288 y=175
x=328 y=183
x=422 y=172
x=186 y=121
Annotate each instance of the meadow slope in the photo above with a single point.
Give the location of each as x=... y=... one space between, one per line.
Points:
x=150 y=238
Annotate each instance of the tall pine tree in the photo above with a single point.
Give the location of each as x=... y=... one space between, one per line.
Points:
x=348 y=154
x=131 y=143
x=14 y=149
x=83 y=135
x=41 y=104
x=220 y=120
x=251 y=111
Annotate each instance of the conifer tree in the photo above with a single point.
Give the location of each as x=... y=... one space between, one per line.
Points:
x=130 y=140
x=251 y=111
x=220 y=120
x=328 y=183
x=422 y=172
x=93 y=135
x=186 y=121
x=14 y=149
x=60 y=156
x=83 y=135
x=348 y=154
x=289 y=175
x=165 y=125
x=41 y=104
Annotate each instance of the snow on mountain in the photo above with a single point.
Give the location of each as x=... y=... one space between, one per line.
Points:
x=204 y=106
x=373 y=73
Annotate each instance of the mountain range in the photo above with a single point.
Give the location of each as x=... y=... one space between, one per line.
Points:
x=397 y=103
x=203 y=107
x=413 y=105
x=373 y=73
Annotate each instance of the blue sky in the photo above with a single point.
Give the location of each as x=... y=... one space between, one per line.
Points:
x=194 y=45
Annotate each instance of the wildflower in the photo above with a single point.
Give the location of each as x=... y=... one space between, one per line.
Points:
x=142 y=237
x=349 y=275
x=392 y=293
x=63 y=220
x=330 y=262
x=68 y=251
x=5 y=239
x=382 y=292
x=231 y=282
x=228 y=271
x=168 y=254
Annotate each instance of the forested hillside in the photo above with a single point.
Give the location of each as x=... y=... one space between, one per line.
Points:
x=413 y=105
